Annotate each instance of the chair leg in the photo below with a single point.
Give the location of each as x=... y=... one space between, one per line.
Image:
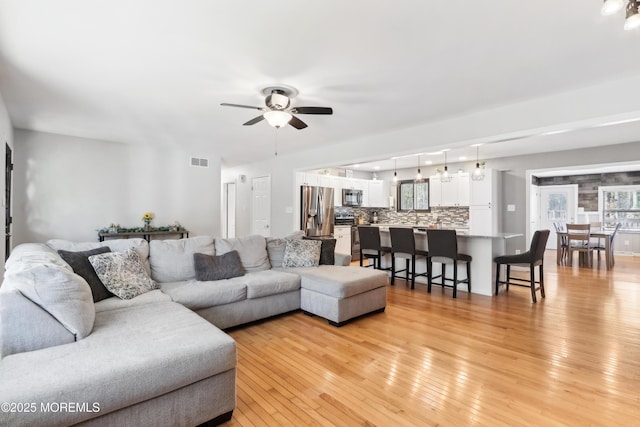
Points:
x=393 y=269
x=508 y=276
x=541 y=282
x=497 y=278
x=361 y=257
x=406 y=269
x=413 y=272
x=455 y=279
x=532 y=276
x=429 y=274
x=468 y=277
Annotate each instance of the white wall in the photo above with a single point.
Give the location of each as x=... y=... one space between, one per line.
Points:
x=6 y=137
x=68 y=187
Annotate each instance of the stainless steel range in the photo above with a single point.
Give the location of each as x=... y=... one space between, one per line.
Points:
x=349 y=219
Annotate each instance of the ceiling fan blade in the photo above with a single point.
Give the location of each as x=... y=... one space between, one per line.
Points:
x=312 y=110
x=297 y=123
x=254 y=121
x=224 y=104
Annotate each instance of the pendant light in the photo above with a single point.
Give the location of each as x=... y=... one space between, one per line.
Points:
x=395 y=170
x=478 y=173
x=418 y=175
x=445 y=177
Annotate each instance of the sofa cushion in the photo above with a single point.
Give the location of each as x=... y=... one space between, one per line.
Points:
x=270 y=282
x=252 y=251
x=134 y=355
x=79 y=261
x=276 y=247
x=212 y=267
x=115 y=303
x=301 y=253
x=122 y=273
x=26 y=255
x=172 y=260
x=61 y=293
x=341 y=282
x=198 y=295
x=117 y=245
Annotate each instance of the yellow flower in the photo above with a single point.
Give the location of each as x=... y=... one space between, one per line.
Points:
x=147 y=216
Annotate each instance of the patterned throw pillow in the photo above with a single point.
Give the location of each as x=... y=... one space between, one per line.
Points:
x=122 y=273
x=302 y=253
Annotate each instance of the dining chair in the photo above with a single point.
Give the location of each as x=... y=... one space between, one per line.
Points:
x=564 y=242
x=602 y=247
x=534 y=257
x=579 y=240
x=443 y=248
x=403 y=245
x=370 y=247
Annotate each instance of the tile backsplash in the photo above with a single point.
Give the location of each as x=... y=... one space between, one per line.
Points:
x=455 y=217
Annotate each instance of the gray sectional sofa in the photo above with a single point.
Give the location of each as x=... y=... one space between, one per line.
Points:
x=160 y=358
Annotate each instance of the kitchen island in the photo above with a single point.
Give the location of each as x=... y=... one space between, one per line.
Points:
x=483 y=249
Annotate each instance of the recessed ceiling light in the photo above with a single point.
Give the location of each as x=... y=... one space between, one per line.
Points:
x=428 y=162
x=376 y=167
x=461 y=158
x=356 y=166
x=435 y=153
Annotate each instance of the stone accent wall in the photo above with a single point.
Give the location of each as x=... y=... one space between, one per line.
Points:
x=457 y=217
x=588 y=185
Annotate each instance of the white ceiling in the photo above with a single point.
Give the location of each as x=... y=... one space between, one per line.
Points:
x=146 y=72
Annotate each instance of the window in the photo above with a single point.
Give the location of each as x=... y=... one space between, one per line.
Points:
x=413 y=195
x=621 y=204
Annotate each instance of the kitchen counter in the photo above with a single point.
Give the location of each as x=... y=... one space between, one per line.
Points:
x=482 y=248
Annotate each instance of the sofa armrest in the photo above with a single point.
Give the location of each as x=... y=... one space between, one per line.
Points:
x=342 y=259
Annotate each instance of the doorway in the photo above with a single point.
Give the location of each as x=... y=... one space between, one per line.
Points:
x=8 y=220
x=558 y=203
x=229 y=204
x=261 y=206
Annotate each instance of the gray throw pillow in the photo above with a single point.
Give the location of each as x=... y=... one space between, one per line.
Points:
x=123 y=273
x=302 y=253
x=79 y=262
x=327 y=251
x=211 y=267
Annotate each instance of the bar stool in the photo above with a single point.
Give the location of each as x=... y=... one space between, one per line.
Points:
x=533 y=257
x=370 y=246
x=403 y=244
x=443 y=248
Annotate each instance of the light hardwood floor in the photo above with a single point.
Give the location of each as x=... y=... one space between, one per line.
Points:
x=571 y=359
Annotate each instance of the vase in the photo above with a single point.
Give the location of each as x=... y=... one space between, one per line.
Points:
x=147 y=226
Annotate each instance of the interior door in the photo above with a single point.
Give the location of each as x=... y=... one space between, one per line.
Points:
x=261 y=206
x=558 y=203
x=7 y=200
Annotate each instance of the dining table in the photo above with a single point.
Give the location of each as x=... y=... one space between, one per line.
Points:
x=597 y=233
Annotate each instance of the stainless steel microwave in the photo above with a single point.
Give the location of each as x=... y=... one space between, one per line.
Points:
x=351 y=197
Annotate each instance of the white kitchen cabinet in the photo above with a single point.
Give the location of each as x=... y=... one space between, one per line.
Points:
x=337 y=183
x=311 y=179
x=485 y=207
x=482 y=192
x=377 y=195
x=342 y=234
x=449 y=194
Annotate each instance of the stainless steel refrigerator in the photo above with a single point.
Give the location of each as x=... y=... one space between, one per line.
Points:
x=316 y=213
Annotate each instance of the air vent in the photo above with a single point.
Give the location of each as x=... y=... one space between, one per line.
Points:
x=201 y=163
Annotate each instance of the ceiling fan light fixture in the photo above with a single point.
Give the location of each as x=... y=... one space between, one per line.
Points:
x=611 y=6
x=277 y=119
x=633 y=17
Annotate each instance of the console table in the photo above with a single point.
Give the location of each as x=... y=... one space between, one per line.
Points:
x=144 y=234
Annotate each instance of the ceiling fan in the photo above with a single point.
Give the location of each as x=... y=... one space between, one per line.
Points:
x=278 y=111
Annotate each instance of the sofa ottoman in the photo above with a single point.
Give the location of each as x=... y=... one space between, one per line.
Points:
x=342 y=293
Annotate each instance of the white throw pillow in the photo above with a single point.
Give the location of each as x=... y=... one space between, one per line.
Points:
x=122 y=273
